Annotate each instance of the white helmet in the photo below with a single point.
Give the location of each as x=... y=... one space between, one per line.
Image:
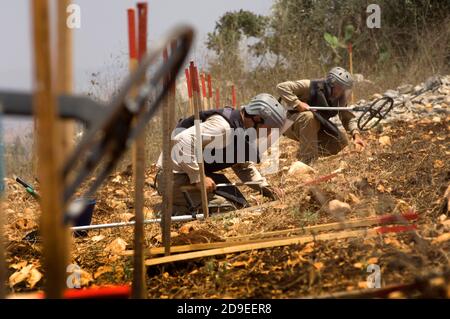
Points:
x=268 y=108
x=341 y=76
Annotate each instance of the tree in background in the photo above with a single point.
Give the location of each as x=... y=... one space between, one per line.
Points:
x=306 y=37
x=225 y=40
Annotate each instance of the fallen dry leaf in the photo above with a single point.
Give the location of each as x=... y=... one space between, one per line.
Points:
x=25 y=224
x=120 y=193
x=396 y=295
x=28 y=211
x=97 y=238
x=385 y=141
x=300 y=168
x=239 y=264
x=358 y=265
x=393 y=241
x=34 y=277
x=126 y=217
x=362 y=285
x=86 y=278
x=117 y=246
x=438 y=164
x=102 y=270
x=354 y=198
x=189 y=227
x=18 y=265
x=309 y=248
x=318 y=265
x=338 y=209
x=442 y=238
x=20 y=276
x=372 y=260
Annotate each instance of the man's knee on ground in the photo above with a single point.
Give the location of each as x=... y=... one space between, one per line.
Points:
x=307 y=116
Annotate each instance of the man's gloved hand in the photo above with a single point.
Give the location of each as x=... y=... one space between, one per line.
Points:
x=274 y=193
x=210 y=185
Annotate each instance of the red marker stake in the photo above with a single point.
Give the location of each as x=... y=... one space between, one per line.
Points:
x=189 y=88
x=204 y=105
x=210 y=91
x=167 y=119
x=233 y=97
x=139 y=289
x=132 y=34
x=198 y=146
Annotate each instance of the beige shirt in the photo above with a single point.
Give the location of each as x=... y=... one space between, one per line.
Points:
x=294 y=91
x=215 y=127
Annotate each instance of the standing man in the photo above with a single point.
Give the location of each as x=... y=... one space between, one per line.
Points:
x=227 y=143
x=316 y=135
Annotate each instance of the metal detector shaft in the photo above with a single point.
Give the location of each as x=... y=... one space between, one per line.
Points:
x=183 y=218
x=329 y=108
x=192 y=187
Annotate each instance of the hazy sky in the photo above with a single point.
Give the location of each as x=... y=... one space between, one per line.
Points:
x=102 y=40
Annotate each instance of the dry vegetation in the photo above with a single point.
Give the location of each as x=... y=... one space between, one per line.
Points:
x=404 y=168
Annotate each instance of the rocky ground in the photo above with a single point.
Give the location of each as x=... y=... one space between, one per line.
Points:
x=405 y=167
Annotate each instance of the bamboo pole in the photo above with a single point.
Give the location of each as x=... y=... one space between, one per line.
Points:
x=307 y=230
x=204 y=98
x=233 y=96
x=189 y=88
x=350 y=58
x=168 y=123
x=210 y=94
x=198 y=147
x=363 y=233
x=139 y=290
x=167 y=166
x=55 y=235
x=64 y=77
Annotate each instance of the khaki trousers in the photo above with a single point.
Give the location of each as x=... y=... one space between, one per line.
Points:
x=180 y=206
x=313 y=141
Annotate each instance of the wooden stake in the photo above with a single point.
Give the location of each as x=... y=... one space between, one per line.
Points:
x=365 y=233
x=168 y=123
x=139 y=290
x=199 y=148
x=310 y=230
x=205 y=105
x=55 y=234
x=64 y=77
x=350 y=57
x=210 y=94
x=167 y=167
x=189 y=88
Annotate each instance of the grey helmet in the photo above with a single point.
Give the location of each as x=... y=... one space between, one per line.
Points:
x=341 y=76
x=268 y=108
